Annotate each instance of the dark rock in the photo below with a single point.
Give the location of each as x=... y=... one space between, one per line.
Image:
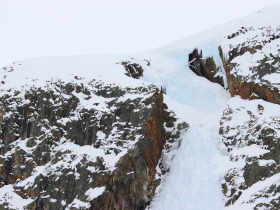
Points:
x=205 y=67
x=133 y=69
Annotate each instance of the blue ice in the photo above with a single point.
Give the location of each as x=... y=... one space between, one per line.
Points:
x=181 y=87
x=191 y=183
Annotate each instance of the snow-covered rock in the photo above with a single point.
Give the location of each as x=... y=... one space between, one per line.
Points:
x=94 y=131
x=67 y=130
x=250 y=131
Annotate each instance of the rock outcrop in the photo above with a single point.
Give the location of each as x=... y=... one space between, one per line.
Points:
x=253 y=145
x=132 y=185
x=252 y=63
x=83 y=145
x=205 y=67
x=133 y=70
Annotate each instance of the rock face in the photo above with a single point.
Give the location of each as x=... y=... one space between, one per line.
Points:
x=131 y=185
x=252 y=63
x=83 y=145
x=250 y=133
x=133 y=70
x=205 y=67
x=252 y=69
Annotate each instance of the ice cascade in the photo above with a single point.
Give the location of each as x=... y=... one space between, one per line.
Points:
x=192 y=182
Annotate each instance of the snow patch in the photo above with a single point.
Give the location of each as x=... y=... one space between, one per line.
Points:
x=94 y=192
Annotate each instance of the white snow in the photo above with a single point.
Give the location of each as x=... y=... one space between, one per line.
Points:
x=271 y=110
x=250 y=151
x=266 y=162
x=94 y=193
x=273 y=78
x=53 y=200
x=8 y=195
x=38 y=70
x=130 y=172
x=63 y=203
x=78 y=204
x=242 y=202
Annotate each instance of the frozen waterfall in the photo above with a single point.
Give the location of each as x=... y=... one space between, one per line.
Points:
x=193 y=181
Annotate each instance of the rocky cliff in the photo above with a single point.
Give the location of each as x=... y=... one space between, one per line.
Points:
x=259 y=55
x=250 y=133
x=82 y=144
x=251 y=64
